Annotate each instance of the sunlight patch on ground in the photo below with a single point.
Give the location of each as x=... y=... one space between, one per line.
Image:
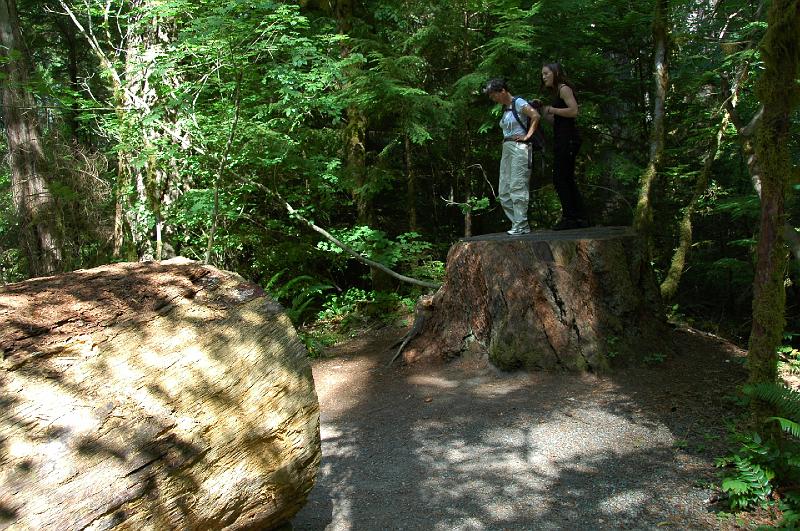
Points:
x=433 y=381
x=622 y=500
x=340 y=517
x=511 y=462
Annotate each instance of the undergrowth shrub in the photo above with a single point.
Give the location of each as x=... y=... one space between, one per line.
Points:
x=300 y=296
x=765 y=469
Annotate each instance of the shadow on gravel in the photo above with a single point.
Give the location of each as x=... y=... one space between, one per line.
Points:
x=465 y=448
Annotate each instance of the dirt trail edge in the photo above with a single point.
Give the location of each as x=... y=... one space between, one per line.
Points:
x=464 y=446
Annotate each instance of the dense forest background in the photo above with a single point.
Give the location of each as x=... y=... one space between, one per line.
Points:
x=186 y=127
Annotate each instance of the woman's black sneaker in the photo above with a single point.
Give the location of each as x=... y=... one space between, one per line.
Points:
x=570 y=223
x=566 y=224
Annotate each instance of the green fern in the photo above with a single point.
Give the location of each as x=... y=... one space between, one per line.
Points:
x=750 y=486
x=788 y=426
x=787 y=401
x=790 y=507
x=761 y=462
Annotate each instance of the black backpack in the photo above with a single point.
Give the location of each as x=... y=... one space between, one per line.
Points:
x=537 y=141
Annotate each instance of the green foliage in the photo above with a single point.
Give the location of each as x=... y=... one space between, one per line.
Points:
x=406 y=250
x=12 y=266
x=749 y=487
x=789 y=356
x=474 y=204
x=654 y=358
x=346 y=303
x=300 y=295
x=356 y=303
x=785 y=400
x=766 y=463
x=612 y=347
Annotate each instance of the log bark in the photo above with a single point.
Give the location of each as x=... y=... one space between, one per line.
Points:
x=576 y=300
x=152 y=396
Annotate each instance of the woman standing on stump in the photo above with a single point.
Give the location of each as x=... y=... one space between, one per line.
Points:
x=566 y=140
x=519 y=122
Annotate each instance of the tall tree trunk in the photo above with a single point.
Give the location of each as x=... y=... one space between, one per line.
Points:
x=779 y=93
x=411 y=183
x=355 y=149
x=71 y=41
x=32 y=198
x=134 y=95
x=151 y=181
x=117 y=102
x=643 y=217
x=223 y=160
x=670 y=285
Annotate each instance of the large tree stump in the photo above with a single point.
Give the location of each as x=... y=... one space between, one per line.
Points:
x=152 y=396
x=578 y=300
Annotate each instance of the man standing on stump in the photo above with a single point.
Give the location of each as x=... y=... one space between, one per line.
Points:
x=514 y=170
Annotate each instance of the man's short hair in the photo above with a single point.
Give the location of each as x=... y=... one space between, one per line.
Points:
x=497 y=84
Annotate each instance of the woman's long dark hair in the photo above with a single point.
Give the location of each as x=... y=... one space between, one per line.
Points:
x=559 y=78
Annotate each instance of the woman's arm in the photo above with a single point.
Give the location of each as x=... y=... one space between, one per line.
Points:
x=570 y=111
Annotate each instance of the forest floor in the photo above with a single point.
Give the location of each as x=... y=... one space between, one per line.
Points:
x=464 y=446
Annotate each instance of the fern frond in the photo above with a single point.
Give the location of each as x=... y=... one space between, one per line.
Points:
x=750 y=486
x=786 y=400
x=788 y=426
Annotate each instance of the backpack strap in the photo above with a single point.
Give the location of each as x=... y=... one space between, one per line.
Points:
x=516 y=114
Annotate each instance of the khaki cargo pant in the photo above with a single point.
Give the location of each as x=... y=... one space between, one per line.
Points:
x=513 y=186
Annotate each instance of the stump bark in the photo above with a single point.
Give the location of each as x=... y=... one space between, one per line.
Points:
x=578 y=300
x=152 y=396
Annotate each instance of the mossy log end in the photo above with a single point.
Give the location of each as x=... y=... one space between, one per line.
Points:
x=581 y=299
x=152 y=396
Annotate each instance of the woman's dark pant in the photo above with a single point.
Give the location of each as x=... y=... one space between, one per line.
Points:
x=564 y=180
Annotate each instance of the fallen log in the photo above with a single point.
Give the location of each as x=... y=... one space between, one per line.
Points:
x=582 y=299
x=152 y=396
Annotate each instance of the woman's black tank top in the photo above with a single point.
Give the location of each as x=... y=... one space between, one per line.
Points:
x=564 y=129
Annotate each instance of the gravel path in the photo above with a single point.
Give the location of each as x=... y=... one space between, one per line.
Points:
x=467 y=447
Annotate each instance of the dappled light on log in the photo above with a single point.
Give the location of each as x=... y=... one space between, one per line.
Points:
x=153 y=396
x=581 y=299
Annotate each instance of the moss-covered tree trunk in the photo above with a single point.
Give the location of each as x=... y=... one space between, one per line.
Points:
x=355 y=148
x=779 y=93
x=146 y=82
x=670 y=284
x=643 y=217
